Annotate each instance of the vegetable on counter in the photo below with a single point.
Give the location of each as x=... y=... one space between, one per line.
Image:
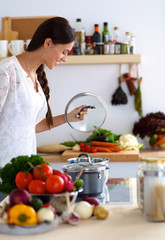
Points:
x=152 y=125
x=9 y=171
x=111 y=137
x=52 y=148
x=129 y=142
x=158 y=142
x=21 y=214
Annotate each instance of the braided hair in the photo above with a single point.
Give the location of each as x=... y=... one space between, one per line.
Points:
x=60 y=32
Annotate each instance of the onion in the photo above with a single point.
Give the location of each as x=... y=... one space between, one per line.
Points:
x=84 y=209
x=91 y=200
x=45 y=215
x=19 y=196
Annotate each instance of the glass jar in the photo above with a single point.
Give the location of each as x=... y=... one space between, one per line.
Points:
x=125 y=48
x=100 y=47
x=111 y=47
x=140 y=182
x=154 y=189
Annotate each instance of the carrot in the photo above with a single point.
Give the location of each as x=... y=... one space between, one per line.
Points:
x=102 y=144
x=161 y=140
x=103 y=149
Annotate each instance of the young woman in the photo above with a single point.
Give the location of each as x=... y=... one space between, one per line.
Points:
x=24 y=91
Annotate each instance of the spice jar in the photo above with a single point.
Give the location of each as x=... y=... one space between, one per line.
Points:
x=100 y=47
x=154 y=189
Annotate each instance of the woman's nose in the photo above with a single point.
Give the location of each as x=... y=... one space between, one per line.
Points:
x=64 y=58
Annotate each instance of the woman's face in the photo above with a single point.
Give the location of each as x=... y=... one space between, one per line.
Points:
x=56 y=53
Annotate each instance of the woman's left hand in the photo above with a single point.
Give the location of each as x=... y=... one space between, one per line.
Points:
x=72 y=115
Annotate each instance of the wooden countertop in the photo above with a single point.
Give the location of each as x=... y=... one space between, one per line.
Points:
x=57 y=158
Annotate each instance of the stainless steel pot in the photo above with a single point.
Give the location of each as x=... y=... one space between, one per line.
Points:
x=93 y=174
x=104 y=161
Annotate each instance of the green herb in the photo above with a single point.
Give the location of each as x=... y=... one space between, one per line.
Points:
x=69 y=143
x=103 y=132
x=9 y=171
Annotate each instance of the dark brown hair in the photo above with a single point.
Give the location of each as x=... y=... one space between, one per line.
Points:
x=60 y=31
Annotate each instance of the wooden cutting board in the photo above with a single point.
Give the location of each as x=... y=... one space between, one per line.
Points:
x=123 y=156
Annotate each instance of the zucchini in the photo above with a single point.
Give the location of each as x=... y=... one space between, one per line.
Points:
x=99 y=139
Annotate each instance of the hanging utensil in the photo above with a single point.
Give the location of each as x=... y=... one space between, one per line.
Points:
x=119 y=96
x=130 y=83
x=138 y=95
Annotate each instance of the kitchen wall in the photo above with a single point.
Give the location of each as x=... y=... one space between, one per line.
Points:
x=145 y=18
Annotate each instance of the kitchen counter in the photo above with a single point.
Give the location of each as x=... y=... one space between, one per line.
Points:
x=125 y=222
x=58 y=158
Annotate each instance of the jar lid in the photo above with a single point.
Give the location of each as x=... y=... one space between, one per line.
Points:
x=152 y=160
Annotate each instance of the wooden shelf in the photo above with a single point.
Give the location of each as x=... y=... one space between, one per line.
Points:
x=103 y=59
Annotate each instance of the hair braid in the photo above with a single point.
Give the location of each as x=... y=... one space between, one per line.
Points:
x=41 y=75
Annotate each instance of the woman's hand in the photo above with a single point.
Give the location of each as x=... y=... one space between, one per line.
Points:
x=72 y=115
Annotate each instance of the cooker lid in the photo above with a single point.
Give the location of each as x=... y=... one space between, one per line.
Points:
x=97 y=111
x=87 y=166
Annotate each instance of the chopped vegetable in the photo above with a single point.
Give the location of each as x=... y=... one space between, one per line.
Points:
x=9 y=171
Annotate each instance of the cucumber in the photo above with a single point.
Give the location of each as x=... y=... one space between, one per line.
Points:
x=99 y=139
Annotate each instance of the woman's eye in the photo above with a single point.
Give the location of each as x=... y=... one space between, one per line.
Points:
x=65 y=53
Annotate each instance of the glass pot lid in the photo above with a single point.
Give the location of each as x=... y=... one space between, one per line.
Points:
x=97 y=111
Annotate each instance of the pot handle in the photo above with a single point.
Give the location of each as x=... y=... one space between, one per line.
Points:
x=86 y=155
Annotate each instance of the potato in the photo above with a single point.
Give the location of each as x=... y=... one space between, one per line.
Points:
x=100 y=212
x=162 y=145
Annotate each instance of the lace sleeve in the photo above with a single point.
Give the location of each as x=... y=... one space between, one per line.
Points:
x=4 y=87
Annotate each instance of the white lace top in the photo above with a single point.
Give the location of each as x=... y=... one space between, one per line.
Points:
x=21 y=108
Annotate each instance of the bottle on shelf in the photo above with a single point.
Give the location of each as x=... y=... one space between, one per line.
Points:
x=127 y=37
x=125 y=46
x=80 y=32
x=132 y=44
x=96 y=34
x=116 y=36
x=105 y=33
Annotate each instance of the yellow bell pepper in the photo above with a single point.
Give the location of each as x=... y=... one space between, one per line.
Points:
x=21 y=214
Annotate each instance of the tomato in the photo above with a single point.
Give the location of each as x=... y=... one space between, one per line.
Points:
x=64 y=177
x=57 y=172
x=160 y=136
x=22 y=179
x=46 y=205
x=54 y=184
x=93 y=150
x=37 y=186
x=42 y=171
x=81 y=145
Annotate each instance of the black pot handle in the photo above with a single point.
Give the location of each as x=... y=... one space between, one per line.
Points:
x=86 y=155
